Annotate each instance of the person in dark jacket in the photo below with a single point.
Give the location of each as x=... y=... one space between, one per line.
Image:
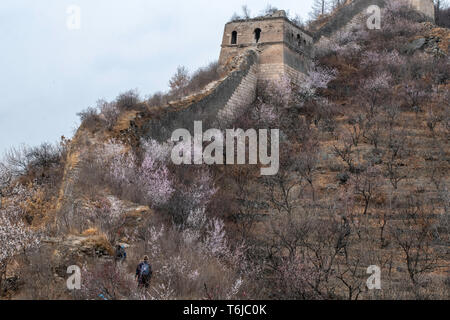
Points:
x=121 y=254
x=144 y=273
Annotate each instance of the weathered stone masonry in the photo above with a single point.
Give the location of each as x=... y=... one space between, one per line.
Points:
x=216 y=108
x=243 y=96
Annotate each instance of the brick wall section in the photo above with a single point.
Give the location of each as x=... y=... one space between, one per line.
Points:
x=270 y=71
x=208 y=108
x=243 y=96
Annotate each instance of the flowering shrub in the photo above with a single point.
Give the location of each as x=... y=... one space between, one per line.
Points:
x=194 y=190
x=318 y=78
x=399 y=19
x=344 y=43
x=385 y=59
x=109 y=113
x=294 y=280
x=196 y=260
x=340 y=45
x=15 y=238
x=155 y=181
x=160 y=151
x=148 y=181
x=279 y=93
x=267 y=114
x=107 y=281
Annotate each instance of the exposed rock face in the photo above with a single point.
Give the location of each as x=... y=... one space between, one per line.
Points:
x=434 y=40
x=80 y=246
x=416 y=45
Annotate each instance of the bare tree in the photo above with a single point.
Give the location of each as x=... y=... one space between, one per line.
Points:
x=345 y=153
x=395 y=152
x=414 y=94
x=269 y=10
x=367 y=185
x=5 y=180
x=433 y=120
x=179 y=81
x=355 y=130
x=246 y=12
x=414 y=235
x=248 y=206
x=440 y=7
x=307 y=165
x=372 y=130
x=319 y=8
x=374 y=92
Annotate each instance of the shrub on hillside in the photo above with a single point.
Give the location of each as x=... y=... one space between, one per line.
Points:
x=15 y=238
x=193 y=189
x=107 y=281
x=128 y=101
x=400 y=20
x=203 y=76
x=43 y=163
x=142 y=178
x=89 y=118
x=109 y=113
x=195 y=260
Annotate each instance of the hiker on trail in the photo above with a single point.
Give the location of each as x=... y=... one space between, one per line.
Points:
x=144 y=273
x=121 y=254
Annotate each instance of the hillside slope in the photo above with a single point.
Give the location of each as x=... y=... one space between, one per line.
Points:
x=363 y=181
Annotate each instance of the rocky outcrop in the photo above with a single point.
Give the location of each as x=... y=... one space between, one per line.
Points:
x=81 y=246
x=434 y=41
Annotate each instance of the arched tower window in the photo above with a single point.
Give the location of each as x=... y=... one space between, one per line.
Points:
x=299 y=40
x=234 y=37
x=257 y=34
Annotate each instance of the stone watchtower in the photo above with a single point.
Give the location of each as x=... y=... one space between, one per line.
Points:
x=284 y=48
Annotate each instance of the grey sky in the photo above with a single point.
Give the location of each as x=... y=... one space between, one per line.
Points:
x=48 y=73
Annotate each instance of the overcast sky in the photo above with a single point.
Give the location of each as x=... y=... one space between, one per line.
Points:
x=49 y=72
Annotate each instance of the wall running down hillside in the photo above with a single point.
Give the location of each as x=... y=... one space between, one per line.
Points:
x=243 y=96
x=217 y=108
